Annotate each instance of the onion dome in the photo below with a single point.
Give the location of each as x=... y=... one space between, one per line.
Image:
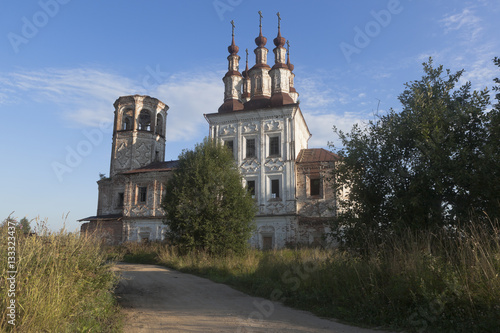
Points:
x=233 y=48
x=260 y=41
x=279 y=41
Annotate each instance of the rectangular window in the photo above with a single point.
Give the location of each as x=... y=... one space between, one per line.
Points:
x=251 y=187
x=314 y=186
x=275 y=188
x=230 y=146
x=121 y=199
x=267 y=242
x=274 y=146
x=250 y=148
x=143 y=191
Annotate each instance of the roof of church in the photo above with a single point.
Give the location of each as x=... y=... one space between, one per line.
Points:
x=102 y=217
x=155 y=166
x=316 y=155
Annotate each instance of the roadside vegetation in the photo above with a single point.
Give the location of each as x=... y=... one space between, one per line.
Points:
x=417 y=282
x=63 y=282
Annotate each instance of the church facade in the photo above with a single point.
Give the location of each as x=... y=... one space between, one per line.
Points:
x=261 y=122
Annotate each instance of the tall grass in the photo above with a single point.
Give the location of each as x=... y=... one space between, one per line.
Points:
x=63 y=284
x=416 y=281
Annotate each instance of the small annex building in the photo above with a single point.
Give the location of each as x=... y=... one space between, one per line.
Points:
x=260 y=120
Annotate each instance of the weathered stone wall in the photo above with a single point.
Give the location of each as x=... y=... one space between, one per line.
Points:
x=155 y=184
x=110 y=231
x=315 y=211
x=142 y=140
x=322 y=205
x=108 y=200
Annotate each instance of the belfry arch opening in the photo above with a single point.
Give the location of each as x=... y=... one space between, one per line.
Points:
x=127 y=120
x=144 y=120
x=159 y=124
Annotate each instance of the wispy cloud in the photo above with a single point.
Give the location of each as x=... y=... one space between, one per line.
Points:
x=85 y=96
x=326 y=103
x=189 y=97
x=466 y=22
x=321 y=126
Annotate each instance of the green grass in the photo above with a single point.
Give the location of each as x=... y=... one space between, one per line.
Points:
x=63 y=284
x=417 y=282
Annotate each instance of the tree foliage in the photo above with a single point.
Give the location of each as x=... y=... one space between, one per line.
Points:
x=24 y=225
x=207 y=208
x=432 y=164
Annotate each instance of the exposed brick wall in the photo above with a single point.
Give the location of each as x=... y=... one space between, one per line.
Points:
x=109 y=231
x=322 y=205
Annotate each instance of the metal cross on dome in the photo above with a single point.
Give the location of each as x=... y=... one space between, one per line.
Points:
x=279 y=19
x=260 y=19
x=232 y=23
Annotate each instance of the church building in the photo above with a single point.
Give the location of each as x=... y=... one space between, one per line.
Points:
x=261 y=122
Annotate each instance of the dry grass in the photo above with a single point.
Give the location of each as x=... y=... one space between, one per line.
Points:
x=420 y=282
x=63 y=284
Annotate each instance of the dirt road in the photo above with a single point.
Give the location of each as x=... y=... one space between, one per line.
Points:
x=157 y=299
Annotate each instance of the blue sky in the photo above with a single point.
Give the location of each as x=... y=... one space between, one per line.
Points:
x=64 y=62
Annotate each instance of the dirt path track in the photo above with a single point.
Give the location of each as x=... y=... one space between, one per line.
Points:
x=158 y=299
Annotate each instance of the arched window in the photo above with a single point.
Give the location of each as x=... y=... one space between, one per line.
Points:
x=144 y=121
x=127 y=120
x=159 y=125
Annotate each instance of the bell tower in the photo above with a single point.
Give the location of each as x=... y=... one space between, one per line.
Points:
x=138 y=133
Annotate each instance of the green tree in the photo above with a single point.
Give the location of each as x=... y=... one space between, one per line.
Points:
x=24 y=225
x=422 y=168
x=206 y=206
x=493 y=147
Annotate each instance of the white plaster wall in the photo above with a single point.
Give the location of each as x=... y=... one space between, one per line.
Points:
x=301 y=133
x=153 y=228
x=282 y=228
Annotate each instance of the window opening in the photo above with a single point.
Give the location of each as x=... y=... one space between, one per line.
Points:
x=159 y=125
x=250 y=152
x=275 y=188
x=230 y=146
x=251 y=187
x=274 y=146
x=267 y=242
x=121 y=199
x=143 y=194
x=127 y=120
x=144 y=121
x=314 y=186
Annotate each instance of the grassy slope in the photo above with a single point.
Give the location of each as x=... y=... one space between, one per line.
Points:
x=63 y=285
